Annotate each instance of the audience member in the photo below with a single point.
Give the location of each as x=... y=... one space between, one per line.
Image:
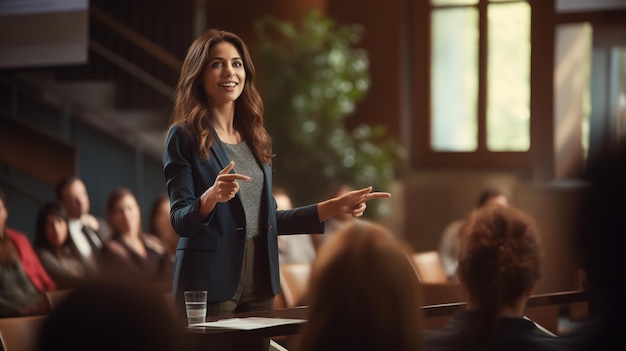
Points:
x=87 y=232
x=112 y=314
x=160 y=224
x=58 y=255
x=364 y=293
x=130 y=250
x=499 y=264
x=296 y=247
x=448 y=243
x=23 y=280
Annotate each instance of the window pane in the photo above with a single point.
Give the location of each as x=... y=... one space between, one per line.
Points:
x=508 y=90
x=454 y=79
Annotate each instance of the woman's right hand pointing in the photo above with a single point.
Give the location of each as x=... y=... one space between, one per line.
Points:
x=223 y=189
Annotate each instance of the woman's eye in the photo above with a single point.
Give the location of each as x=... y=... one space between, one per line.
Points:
x=216 y=64
x=237 y=64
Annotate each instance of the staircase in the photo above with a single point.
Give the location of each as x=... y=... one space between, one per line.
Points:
x=107 y=117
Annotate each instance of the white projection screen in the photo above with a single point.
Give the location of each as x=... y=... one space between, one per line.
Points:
x=42 y=33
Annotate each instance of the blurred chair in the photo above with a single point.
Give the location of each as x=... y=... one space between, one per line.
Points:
x=429 y=267
x=435 y=287
x=54 y=298
x=294 y=281
x=20 y=333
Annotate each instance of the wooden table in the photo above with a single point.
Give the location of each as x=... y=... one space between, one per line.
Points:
x=211 y=338
x=214 y=338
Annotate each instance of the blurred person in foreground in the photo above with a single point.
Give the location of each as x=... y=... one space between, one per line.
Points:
x=116 y=313
x=364 y=293
x=499 y=265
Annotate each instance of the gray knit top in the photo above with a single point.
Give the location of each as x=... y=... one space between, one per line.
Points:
x=250 y=192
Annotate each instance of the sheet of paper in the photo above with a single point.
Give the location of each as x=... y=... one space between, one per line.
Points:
x=248 y=323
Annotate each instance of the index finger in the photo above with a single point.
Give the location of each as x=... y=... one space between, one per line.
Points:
x=228 y=168
x=377 y=195
x=235 y=176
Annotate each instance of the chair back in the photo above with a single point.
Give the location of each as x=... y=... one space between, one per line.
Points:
x=429 y=267
x=294 y=281
x=20 y=333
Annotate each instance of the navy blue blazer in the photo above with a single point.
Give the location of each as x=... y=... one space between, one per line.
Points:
x=210 y=251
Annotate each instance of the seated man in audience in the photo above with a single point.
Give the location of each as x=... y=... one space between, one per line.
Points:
x=87 y=232
x=364 y=293
x=23 y=280
x=499 y=264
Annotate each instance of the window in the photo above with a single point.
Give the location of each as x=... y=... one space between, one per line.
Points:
x=471 y=40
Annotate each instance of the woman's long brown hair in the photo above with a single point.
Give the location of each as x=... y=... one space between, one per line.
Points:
x=191 y=106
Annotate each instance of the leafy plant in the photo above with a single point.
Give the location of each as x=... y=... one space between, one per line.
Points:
x=311 y=79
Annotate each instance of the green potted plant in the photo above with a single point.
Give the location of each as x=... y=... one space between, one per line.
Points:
x=311 y=79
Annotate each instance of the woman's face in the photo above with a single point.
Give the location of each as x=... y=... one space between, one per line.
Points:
x=125 y=216
x=56 y=230
x=224 y=76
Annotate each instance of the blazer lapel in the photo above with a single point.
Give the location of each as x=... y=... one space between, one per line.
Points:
x=218 y=149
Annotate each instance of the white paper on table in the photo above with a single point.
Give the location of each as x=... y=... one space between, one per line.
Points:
x=249 y=323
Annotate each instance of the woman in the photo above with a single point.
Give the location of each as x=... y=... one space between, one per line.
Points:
x=499 y=264
x=217 y=166
x=23 y=280
x=56 y=252
x=160 y=224
x=364 y=293
x=130 y=250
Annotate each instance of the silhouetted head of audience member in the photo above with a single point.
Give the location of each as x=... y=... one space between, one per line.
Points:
x=499 y=261
x=364 y=293
x=112 y=314
x=492 y=196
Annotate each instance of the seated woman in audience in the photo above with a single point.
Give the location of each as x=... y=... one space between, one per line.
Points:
x=160 y=224
x=364 y=293
x=130 y=250
x=23 y=280
x=499 y=264
x=56 y=251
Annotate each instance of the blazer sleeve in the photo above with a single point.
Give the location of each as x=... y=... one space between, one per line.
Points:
x=179 y=157
x=300 y=220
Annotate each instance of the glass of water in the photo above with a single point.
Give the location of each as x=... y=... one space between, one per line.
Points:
x=195 y=304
